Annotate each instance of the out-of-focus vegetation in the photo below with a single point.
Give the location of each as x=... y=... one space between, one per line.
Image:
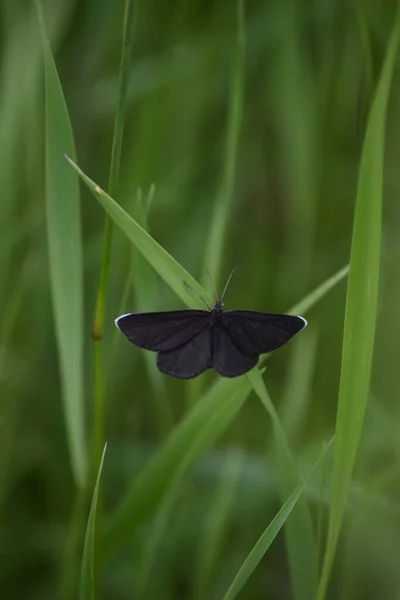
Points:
x=264 y=118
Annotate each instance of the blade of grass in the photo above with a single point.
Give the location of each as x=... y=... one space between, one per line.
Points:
x=74 y=539
x=146 y=492
x=223 y=205
x=213 y=255
x=293 y=90
x=170 y=270
x=97 y=332
x=159 y=528
x=211 y=541
x=316 y=295
x=162 y=262
x=87 y=589
x=265 y=541
x=299 y=532
x=361 y=307
x=296 y=394
x=320 y=518
x=143 y=278
x=65 y=257
x=132 y=510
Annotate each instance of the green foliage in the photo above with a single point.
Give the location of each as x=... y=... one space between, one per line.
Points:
x=266 y=539
x=65 y=255
x=89 y=582
x=250 y=119
x=361 y=305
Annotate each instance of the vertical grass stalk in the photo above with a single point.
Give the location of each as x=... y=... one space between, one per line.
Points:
x=98 y=323
x=361 y=307
x=215 y=245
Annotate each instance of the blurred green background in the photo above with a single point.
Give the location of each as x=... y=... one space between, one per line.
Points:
x=310 y=72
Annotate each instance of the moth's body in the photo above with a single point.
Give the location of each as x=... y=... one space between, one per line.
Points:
x=190 y=341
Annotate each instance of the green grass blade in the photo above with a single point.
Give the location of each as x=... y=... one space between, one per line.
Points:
x=265 y=541
x=148 y=489
x=219 y=406
x=214 y=529
x=361 y=307
x=301 y=308
x=87 y=589
x=101 y=298
x=159 y=528
x=169 y=269
x=154 y=480
x=299 y=532
x=223 y=206
x=162 y=262
x=65 y=257
x=316 y=295
x=297 y=391
x=145 y=294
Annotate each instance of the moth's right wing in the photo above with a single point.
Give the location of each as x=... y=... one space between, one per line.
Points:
x=258 y=333
x=163 y=331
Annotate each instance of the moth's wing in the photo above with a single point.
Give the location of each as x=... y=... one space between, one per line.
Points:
x=189 y=359
x=160 y=331
x=228 y=360
x=259 y=333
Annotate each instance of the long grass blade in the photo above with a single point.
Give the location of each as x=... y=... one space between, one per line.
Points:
x=98 y=320
x=145 y=294
x=154 y=480
x=158 y=530
x=147 y=491
x=299 y=532
x=214 y=529
x=361 y=307
x=162 y=262
x=222 y=209
x=298 y=382
x=65 y=257
x=219 y=406
x=87 y=590
x=265 y=541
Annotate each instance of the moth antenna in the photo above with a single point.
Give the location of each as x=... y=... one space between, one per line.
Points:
x=228 y=282
x=213 y=286
x=198 y=295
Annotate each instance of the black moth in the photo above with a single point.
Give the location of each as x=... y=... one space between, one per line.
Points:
x=190 y=341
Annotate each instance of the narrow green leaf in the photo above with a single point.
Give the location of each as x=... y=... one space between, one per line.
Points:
x=298 y=382
x=160 y=524
x=65 y=256
x=162 y=262
x=223 y=205
x=265 y=541
x=316 y=295
x=99 y=391
x=219 y=406
x=361 y=307
x=299 y=532
x=145 y=293
x=88 y=583
x=147 y=491
x=170 y=270
x=214 y=529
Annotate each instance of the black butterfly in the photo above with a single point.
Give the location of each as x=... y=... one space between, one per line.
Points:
x=190 y=341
